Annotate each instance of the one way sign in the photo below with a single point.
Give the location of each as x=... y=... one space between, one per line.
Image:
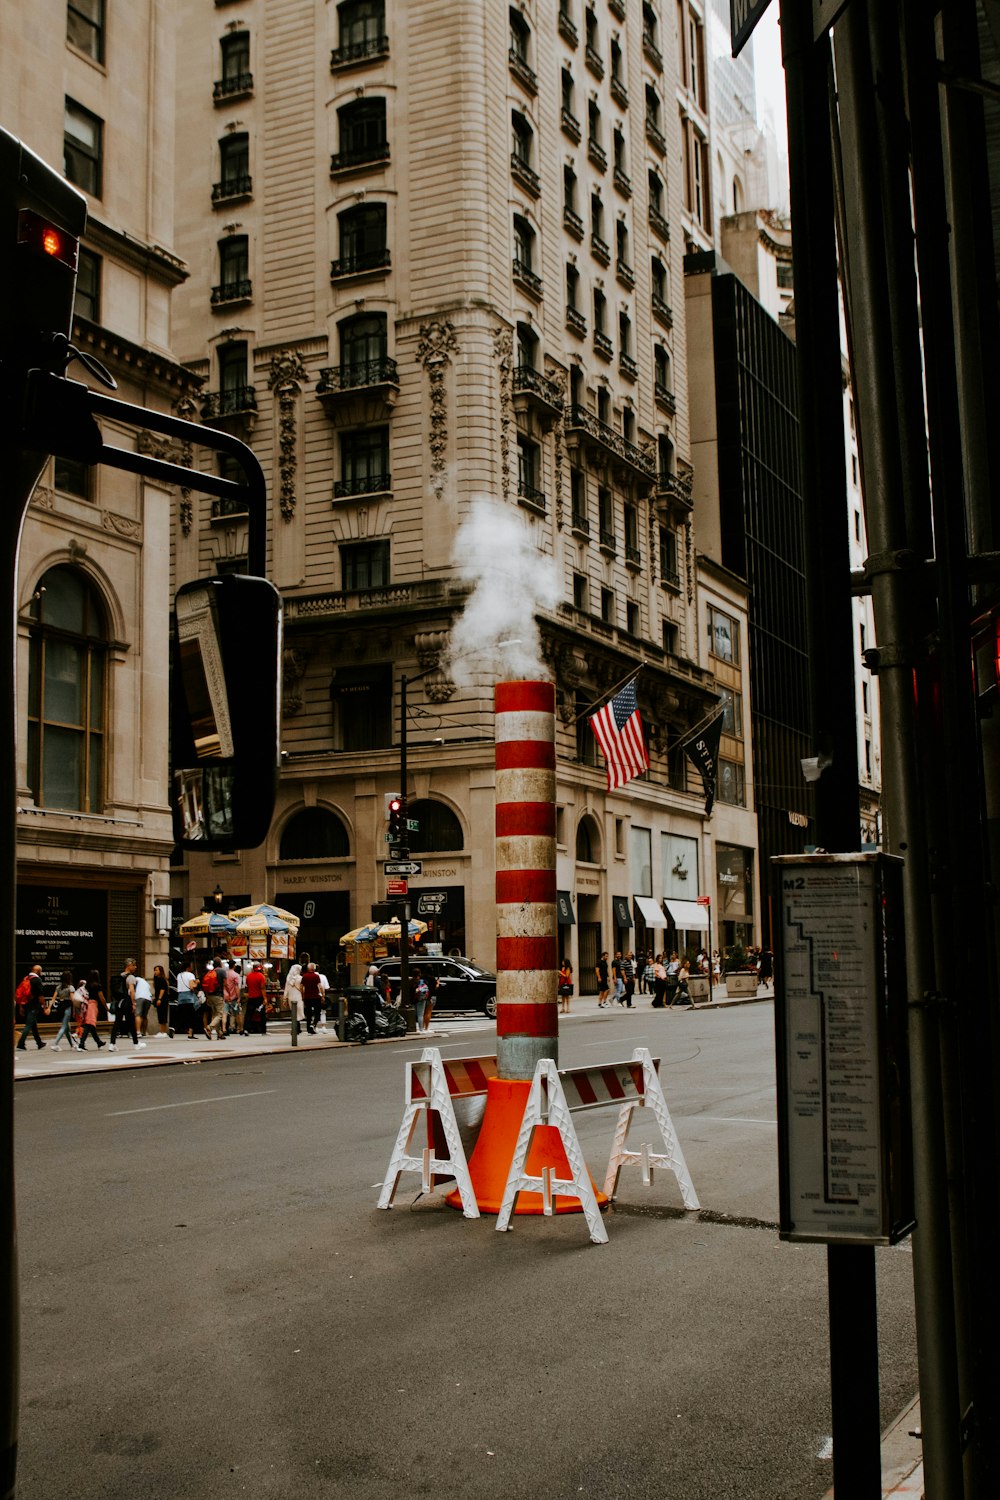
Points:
x=402 y=867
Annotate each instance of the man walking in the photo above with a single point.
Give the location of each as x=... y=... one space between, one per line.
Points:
x=34 y=1008
x=312 y=994
x=125 y=1007
x=142 y=999
x=231 y=997
x=256 y=996
x=214 y=986
x=628 y=979
x=602 y=980
x=187 y=999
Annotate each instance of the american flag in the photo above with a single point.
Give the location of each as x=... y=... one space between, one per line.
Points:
x=619 y=733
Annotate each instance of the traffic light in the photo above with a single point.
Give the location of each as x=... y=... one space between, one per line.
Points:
x=395 y=809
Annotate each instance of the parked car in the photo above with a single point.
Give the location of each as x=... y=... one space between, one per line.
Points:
x=462 y=985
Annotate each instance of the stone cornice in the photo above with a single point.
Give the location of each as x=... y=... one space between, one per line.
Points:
x=133 y=360
x=152 y=260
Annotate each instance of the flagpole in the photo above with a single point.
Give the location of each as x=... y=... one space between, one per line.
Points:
x=709 y=718
x=598 y=704
x=708 y=908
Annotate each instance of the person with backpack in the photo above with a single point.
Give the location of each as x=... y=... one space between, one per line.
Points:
x=213 y=988
x=122 y=992
x=29 y=994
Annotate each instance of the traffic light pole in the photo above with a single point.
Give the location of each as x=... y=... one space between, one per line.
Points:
x=404 y=852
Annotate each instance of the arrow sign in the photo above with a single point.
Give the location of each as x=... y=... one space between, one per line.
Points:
x=402 y=867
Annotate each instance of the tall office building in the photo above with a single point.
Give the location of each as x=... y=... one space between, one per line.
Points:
x=436 y=265
x=89 y=88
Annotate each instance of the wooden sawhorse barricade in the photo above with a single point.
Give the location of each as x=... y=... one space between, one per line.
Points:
x=553 y=1100
x=434 y=1085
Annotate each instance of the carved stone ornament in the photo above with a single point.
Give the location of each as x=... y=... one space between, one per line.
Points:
x=285 y=377
x=560 y=380
x=429 y=644
x=44 y=498
x=187 y=411
x=503 y=345
x=292 y=671
x=121 y=525
x=437 y=343
x=439 y=687
x=689 y=559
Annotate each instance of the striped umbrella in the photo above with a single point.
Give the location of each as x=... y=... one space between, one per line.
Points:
x=207 y=922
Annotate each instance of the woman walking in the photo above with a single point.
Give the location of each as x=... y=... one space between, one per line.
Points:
x=565 y=986
x=62 y=1006
x=161 y=999
x=94 y=996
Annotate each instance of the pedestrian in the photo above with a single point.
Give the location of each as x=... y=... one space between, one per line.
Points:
x=312 y=995
x=683 y=995
x=628 y=979
x=659 y=982
x=62 y=1007
x=419 y=991
x=618 y=976
x=161 y=999
x=142 y=999
x=565 y=986
x=602 y=980
x=188 y=1003
x=124 y=1023
x=673 y=973
x=92 y=995
x=324 y=985
x=256 y=1001
x=231 y=983
x=211 y=999
x=215 y=1001
x=34 y=1006
x=765 y=968
x=433 y=991
x=292 y=995
x=649 y=974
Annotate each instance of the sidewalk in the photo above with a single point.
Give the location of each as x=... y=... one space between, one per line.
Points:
x=902 y=1458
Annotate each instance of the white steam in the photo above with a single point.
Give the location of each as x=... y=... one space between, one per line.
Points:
x=497 y=633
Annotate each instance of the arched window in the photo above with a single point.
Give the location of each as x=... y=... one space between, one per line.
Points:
x=314 y=833
x=588 y=842
x=67 y=707
x=439 y=832
x=363 y=346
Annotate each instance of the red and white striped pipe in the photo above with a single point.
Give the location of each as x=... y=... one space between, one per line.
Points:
x=527 y=948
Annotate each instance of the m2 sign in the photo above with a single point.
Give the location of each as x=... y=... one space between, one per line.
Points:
x=743 y=17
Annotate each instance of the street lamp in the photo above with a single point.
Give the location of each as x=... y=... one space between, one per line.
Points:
x=217 y=897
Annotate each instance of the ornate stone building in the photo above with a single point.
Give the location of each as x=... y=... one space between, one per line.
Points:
x=435 y=259
x=91 y=90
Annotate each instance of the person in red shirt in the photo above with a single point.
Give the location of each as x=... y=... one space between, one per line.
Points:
x=256 y=995
x=312 y=995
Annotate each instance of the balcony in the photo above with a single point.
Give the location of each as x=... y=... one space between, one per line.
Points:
x=359 y=391
x=625 y=273
x=633 y=557
x=533 y=389
x=369 y=484
x=239 y=401
x=670 y=579
x=357 y=158
x=571 y=126
x=628 y=366
x=369 y=49
x=618 y=7
x=673 y=496
x=524 y=75
x=623 y=182
x=655 y=137
x=575 y=321
x=600 y=248
x=567 y=30
x=619 y=92
x=608 y=542
x=584 y=428
x=579 y=525
x=239 y=86
x=233 y=189
x=525 y=175
x=664 y=397
x=525 y=278
x=597 y=155
x=662 y=311
x=228 y=508
x=531 y=498
x=361 y=263
x=594 y=61
x=603 y=345
x=572 y=222
x=231 y=292
x=652 y=51
x=659 y=225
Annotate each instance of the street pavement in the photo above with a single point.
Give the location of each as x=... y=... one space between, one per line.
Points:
x=213 y=1306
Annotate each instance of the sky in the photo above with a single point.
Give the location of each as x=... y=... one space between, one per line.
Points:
x=770 y=76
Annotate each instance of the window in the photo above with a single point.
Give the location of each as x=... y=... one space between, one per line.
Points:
x=650 y=25
x=668 y=557
x=593 y=122
x=661 y=374
x=596 y=216
x=362 y=239
x=88 y=286
x=732 y=783
x=616 y=62
x=364 y=462
x=588 y=838
x=604 y=405
x=519 y=37
x=621 y=242
x=600 y=310
x=655 y=192
x=652 y=108
x=632 y=623
x=580 y=591
x=569 y=190
x=363 y=347
x=72 y=477
x=620 y=162
x=588 y=841
x=233 y=380
x=578 y=503
x=524 y=244
x=605 y=516
x=658 y=279
x=66 y=693
x=608 y=606
x=85 y=27
x=665 y=457
x=234 y=166
x=83 y=148
x=568 y=93
x=522 y=135
x=628 y=424
x=361 y=133
x=572 y=286
x=732 y=712
x=362 y=28
x=236 y=76
x=724 y=636
x=631 y=519
x=528 y=470
x=670 y=637
x=527 y=347
x=234 y=269
x=361 y=698
x=364 y=565
x=314 y=833
x=696 y=61
x=440 y=831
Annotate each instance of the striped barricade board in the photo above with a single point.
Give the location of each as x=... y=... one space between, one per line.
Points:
x=433 y=1085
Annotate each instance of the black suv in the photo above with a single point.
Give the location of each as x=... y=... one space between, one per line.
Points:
x=462 y=985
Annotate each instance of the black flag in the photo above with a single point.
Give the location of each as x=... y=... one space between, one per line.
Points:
x=703 y=749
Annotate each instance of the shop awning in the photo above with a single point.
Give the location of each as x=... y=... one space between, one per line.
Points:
x=623 y=917
x=649 y=911
x=687 y=914
x=564 y=909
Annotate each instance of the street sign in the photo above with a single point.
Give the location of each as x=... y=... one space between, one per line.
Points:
x=398 y=851
x=402 y=867
x=431 y=903
x=413 y=824
x=395 y=887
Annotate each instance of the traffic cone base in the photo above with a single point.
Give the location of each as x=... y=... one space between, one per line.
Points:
x=489 y=1165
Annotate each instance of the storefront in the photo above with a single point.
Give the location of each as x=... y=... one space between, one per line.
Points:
x=442 y=907
x=734 y=895
x=689 y=921
x=324 y=916
x=86 y=921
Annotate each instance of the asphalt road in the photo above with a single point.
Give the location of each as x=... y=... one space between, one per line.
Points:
x=214 y=1307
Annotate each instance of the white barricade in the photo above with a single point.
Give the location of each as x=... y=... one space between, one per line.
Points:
x=553 y=1099
x=432 y=1085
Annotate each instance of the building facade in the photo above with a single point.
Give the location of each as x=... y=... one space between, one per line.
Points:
x=434 y=255
x=93 y=823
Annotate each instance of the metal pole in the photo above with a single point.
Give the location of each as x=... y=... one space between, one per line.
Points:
x=404 y=924
x=708 y=908
x=850 y=1268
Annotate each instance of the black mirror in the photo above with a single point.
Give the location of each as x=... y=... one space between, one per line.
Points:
x=225 y=702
